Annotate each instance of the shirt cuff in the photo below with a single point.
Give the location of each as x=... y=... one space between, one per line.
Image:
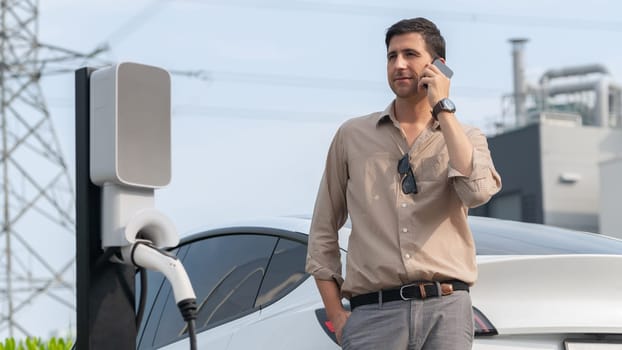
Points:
x=325 y=274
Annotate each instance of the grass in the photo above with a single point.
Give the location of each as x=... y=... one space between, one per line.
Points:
x=33 y=343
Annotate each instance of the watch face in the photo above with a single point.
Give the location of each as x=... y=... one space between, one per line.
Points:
x=448 y=105
x=443 y=105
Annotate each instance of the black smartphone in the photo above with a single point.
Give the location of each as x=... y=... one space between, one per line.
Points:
x=443 y=67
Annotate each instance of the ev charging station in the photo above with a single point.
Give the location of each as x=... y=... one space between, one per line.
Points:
x=123 y=154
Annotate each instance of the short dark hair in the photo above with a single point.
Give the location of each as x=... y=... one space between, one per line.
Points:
x=435 y=43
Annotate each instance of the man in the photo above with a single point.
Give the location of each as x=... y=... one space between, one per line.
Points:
x=406 y=177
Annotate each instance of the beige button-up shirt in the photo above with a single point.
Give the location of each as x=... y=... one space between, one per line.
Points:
x=396 y=238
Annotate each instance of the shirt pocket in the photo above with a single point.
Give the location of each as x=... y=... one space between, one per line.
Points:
x=432 y=169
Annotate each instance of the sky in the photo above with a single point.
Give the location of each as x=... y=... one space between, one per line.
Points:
x=250 y=134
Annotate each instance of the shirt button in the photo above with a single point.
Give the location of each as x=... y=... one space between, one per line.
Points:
x=404 y=205
x=404 y=230
x=407 y=256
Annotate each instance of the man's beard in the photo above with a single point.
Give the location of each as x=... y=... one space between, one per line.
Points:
x=413 y=91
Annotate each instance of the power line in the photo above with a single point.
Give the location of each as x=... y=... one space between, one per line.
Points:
x=453 y=16
x=294 y=81
x=323 y=83
x=329 y=83
x=254 y=113
x=279 y=79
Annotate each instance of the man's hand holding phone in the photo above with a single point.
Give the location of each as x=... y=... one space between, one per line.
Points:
x=435 y=79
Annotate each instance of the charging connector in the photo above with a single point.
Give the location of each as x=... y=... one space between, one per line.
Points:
x=143 y=254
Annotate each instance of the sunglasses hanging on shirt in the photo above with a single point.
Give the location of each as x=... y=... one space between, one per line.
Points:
x=409 y=184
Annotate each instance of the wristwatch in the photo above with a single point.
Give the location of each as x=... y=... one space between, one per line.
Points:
x=444 y=104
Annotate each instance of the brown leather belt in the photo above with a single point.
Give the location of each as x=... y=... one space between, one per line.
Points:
x=419 y=290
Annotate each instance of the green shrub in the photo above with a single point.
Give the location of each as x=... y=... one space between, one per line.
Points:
x=33 y=343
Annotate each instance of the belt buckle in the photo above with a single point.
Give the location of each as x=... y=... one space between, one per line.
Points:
x=421 y=289
x=402 y=291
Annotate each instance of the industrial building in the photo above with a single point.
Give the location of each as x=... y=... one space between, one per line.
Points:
x=559 y=149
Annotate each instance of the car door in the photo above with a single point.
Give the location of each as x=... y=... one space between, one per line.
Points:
x=277 y=324
x=226 y=272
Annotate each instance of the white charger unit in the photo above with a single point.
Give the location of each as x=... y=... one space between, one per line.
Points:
x=130 y=151
x=131 y=125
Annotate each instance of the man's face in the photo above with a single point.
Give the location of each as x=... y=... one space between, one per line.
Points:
x=406 y=58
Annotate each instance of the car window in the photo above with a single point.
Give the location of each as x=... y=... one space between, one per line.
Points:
x=285 y=272
x=226 y=272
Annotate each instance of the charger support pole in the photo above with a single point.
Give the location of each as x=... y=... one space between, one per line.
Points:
x=105 y=291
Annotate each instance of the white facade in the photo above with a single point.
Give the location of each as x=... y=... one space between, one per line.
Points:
x=610 y=219
x=570 y=159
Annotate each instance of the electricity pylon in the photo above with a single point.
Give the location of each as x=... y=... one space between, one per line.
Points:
x=36 y=193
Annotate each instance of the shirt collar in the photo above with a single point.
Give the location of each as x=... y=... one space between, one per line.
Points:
x=388 y=115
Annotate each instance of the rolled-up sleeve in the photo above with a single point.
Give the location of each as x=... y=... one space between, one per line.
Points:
x=329 y=215
x=484 y=181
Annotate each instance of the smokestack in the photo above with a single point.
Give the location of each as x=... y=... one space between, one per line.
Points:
x=520 y=88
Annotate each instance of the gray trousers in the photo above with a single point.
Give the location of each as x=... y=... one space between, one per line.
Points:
x=442 y=323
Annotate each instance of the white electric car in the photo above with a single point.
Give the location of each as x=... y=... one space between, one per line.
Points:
x=539 y=287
